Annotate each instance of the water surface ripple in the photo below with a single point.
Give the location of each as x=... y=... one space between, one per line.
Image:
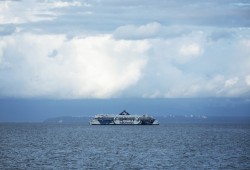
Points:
x=74 y=146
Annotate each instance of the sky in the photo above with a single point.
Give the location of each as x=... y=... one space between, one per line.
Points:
x=94 y=49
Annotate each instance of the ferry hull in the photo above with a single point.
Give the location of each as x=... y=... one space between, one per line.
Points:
x=123 y=118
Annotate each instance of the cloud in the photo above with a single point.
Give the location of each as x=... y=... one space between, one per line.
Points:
x=193 y=65
x=190 y=50
x=83 y=67
x=62 y=4
x=146 y=18
x=79 y=49
x=137 y=32
x=7 y=29
x=23 y=12
x=247 y=79
x=231 y=82
x=101 y=66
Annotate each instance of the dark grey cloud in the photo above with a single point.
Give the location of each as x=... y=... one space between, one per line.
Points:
x=222 y=34
x=7 y=29
x=106 y=16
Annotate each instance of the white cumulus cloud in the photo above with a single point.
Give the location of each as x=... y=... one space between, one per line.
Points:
x=190 y=50
x=231 y=82
x=61 y=4
x=247 y=79
x=78 y=49
x=50 y=65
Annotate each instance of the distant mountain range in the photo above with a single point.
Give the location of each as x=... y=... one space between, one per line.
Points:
x=67 y=119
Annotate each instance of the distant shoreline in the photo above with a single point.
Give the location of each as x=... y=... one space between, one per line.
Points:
x=162 y=119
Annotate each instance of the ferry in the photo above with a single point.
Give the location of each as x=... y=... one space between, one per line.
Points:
x=124 y=118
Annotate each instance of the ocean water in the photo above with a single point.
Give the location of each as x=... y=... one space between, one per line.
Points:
x=170 y=146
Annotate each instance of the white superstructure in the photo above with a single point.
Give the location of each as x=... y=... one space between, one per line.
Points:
x=123 y=118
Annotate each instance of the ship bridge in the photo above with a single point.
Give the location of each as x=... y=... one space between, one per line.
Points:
x=124 y=113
